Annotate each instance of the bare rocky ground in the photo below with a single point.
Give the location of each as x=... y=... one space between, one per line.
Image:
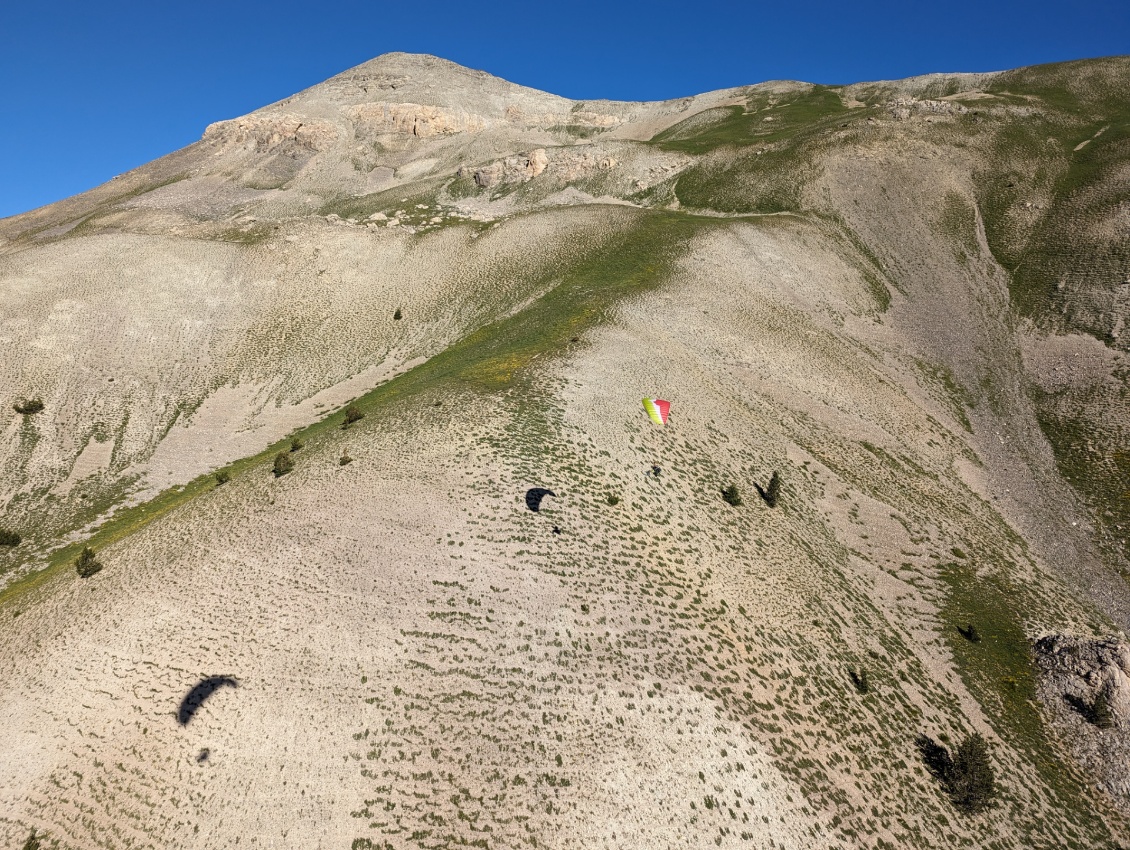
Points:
x=835 y=284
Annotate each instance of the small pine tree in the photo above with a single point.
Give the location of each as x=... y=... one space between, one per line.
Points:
x=28 y=406
x=967 y=776
x=973 y=782
x=970 y=633
x=86 y=564
x=859 y=679
x=9 y=537
x=773 y=491
x=222 y=477
x=283 y=464
x=296 y=445
x=32 y=842
x=612 y=499
x=397 y=316
x=731 y=496
x=344 y=459
x=352 y=414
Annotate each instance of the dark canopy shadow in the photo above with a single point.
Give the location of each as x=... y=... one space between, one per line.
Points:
x=199 y=693
x=534 y=496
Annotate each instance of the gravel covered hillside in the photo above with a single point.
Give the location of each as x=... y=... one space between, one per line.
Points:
x=297 y=379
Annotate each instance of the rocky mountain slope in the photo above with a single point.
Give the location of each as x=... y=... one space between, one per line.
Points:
x=908 y=299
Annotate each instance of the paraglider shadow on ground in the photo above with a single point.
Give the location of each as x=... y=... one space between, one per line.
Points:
x=199 y=693
x=534 y=496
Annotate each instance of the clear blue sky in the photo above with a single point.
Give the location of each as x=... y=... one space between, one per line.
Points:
x=92 y=89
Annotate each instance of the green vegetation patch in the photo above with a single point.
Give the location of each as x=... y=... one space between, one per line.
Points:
x=959 y=222
x=764 y=121
x=1094 y=462
x=1053 y=181
x=492 y=358
x=993 y=655
x=754 y=159
x=361 y=207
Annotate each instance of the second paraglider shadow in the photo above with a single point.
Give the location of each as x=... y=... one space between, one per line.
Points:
x=199 y=693
x=534 y=496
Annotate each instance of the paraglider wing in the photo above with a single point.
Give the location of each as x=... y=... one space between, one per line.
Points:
x=657 y=409
x=200 y=692
x=534 y=496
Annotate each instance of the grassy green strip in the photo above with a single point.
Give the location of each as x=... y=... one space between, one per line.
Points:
x=999 y=671
x=488 y=360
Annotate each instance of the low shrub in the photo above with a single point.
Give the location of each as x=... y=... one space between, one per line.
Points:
x=344 y=459
x=612 y=499
x=397 y=316
x=28 y=406
x=86 y=564
x=284 y=463
x=296 y=445
x=9 y=537
x=222 y=477
x=731 y=496
x=352 y=414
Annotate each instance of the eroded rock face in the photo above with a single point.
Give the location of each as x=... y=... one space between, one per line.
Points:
x=1085 y=685
x=566 y=166
x=546 y=120
x=902 y=108
x=263 y=132
x=413 y=119
x=512 y=169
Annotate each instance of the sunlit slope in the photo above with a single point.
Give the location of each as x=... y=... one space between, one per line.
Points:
x=903 y=297
x=242 y=286
x=423 y=662
x=159 y=359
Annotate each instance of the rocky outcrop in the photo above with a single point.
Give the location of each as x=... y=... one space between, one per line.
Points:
x=510 y=170
x=579 y=118
x=266 y=132
x=412 y=119
x=566 y=166
x=903 y=108
x=574 y=166
x=1085 y=685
